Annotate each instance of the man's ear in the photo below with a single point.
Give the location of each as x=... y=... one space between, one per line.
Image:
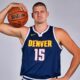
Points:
x=32 y=15
x=47 y=13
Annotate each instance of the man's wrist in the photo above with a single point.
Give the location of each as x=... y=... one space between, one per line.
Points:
x=9 y=7
x=67 y=77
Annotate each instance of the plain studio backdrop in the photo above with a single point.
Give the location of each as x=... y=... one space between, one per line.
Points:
x=62 y=13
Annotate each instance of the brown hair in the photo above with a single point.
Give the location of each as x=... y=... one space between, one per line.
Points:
x=39 y=4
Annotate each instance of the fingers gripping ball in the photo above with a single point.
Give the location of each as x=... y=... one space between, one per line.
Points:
x=17 y=17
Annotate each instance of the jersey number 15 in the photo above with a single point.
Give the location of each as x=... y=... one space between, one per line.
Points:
x=39 y=54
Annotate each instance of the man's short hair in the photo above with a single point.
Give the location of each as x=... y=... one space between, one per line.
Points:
x=39 y=4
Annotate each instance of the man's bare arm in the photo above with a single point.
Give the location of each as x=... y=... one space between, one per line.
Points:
x=69 y=44
x=4 y=12
x=9 y=30
x=6 y=28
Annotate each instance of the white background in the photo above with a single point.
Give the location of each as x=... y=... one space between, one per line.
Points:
x=62 y=13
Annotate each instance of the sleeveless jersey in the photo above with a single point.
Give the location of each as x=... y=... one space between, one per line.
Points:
x=41 y=55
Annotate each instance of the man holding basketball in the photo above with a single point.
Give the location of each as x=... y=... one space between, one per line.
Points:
x=41 y=45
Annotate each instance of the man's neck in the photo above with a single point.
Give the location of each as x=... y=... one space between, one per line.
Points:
x=40 y=27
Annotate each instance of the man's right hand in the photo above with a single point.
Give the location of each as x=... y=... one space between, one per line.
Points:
x=9 y=29
x=4 y=12
x=20 y=5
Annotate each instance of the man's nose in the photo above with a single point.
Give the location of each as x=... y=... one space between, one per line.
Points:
x=39 y=13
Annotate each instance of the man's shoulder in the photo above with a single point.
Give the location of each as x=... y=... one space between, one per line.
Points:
x=59 y=30
x=24 y=30
x=60 y=33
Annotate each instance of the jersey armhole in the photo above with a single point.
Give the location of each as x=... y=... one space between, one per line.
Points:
x=58 y=42
x=26 y=37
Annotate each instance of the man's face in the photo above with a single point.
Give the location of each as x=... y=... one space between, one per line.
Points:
x=40 y=14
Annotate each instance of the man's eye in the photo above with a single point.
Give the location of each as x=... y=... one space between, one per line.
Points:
x=42 y=11
x=35 y=12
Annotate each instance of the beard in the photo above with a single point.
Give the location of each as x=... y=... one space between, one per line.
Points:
x=40 y=22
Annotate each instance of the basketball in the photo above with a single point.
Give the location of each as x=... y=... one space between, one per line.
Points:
x=17 y=18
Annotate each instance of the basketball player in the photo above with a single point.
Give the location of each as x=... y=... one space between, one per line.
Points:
x=41 y=45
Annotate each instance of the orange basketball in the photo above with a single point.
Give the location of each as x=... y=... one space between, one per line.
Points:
x=17 y=18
